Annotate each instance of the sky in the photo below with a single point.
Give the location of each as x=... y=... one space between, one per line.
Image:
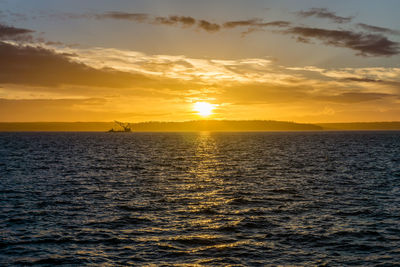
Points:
x=156 y=60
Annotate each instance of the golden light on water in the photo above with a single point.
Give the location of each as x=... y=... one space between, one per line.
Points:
x=203 y=108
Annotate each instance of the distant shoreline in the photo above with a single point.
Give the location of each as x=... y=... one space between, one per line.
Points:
x=196 y=126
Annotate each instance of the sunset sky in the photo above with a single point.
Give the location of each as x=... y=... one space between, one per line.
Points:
x=156 y=60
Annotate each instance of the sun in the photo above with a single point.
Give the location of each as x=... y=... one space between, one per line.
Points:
x=203 y=108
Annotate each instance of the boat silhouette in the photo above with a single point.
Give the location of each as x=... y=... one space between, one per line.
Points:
x=125 y=127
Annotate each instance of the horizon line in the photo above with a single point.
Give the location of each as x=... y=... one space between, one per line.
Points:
x=231 y=120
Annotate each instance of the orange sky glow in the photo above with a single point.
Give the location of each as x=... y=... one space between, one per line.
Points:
x=137 y=62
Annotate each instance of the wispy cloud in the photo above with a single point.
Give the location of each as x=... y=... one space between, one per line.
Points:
x=255 y=23
x=137 y=17
x=325 y=14
x=173 y=20
x=183 y=21
x=372 y=28
x=146 y=18
x=366 y=44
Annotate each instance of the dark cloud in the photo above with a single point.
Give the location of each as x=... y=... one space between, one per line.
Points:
x=208 y=26
x=185 y=21
x=9 y=32
x=365 y=44
x=255 y=23
x=325 y=14
x=174 y=20
x=278 y=23
x=242 y=23
x=378 y=29
x=137 y=17
x=38 y=66
x=33 y=68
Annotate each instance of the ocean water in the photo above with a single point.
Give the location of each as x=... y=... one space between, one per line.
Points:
x=211 y=199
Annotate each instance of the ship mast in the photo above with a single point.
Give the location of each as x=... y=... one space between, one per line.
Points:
x=124 y=125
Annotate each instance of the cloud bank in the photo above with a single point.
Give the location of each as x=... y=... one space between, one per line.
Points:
x=373 y=43
x=99 y=81
x=38 y=66
x=71 y=81
x=185 y=21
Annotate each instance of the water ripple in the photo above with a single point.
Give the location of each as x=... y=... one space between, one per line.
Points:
x=239 y=199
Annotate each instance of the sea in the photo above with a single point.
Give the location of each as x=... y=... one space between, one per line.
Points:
x=200 y=199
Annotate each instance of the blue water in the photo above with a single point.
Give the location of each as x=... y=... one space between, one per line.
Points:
x=240 y=199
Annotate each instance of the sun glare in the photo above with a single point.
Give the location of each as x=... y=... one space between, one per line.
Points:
x=203 y=108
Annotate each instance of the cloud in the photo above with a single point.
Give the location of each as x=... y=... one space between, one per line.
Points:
x=364 y=80
x=372 y=28
x=279 y=23
x=34 y=65
x=183 y=21
x=208 y=26
x=187 y=21
x=138 y=17
x=112 y=84
x=9 y=32
x=174 y=20
x=178 y=67
x=255 y=23
x=113 y=75
x=376 y=79
x=324 y=14
x=255 y=76
x=383 y=83
x=365 y=44
x=242 y=23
